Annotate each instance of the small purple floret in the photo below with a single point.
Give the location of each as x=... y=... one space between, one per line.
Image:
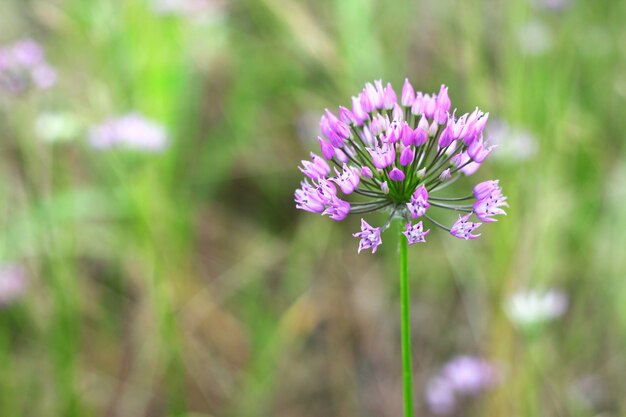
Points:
x=415 y=233
x=463 y=228
x=370 y=237
x=408 y=93
x=489 y=200
x=407 y=156
x=419 y=202
x=348 y=179
x=396 y=175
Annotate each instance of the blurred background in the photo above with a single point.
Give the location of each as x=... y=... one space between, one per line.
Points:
x=152 y=262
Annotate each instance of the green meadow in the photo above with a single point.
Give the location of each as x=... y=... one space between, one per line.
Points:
x=182 y=281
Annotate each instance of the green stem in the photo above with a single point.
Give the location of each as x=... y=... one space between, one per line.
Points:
x=405 y=327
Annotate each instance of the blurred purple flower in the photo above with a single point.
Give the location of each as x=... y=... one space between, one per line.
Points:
x=463 y=376
x=131 y=131
x=22 y=66
x=469 y=375
x=12 y=283
x=440 y=396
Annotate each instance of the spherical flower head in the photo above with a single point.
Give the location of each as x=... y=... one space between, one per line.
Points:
x=370 y=237
x=399 y=157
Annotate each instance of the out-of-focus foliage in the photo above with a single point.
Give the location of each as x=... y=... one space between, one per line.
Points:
x=179 y=280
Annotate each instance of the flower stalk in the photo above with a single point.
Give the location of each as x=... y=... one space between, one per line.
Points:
x=405 y=327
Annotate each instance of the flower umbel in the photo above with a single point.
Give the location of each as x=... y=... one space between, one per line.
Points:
x=396 y=155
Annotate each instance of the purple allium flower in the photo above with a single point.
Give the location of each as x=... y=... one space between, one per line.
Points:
x=23 y=66
x=370 y=237
x=12 y=283
x=132 y=131
x=463 y=376
x=397 y=156
x=529 y=307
